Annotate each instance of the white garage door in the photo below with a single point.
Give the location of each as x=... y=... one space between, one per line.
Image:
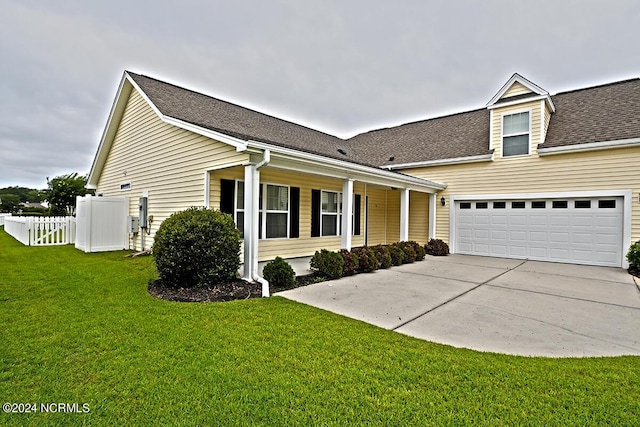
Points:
x=577 y=231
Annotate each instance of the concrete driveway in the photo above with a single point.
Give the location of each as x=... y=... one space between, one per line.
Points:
x=493 y=304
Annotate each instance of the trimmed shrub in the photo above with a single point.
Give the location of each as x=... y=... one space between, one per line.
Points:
x=328 y=264
x=197 y=247
x=397 y=254
x=383 y=256
x=437 y=247
x=366 y=259
x=351 y=264
x=633 y=256
x=279 y=273
x=409 y=252
x=419 y=249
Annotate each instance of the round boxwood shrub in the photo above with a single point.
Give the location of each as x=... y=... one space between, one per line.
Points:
x=418 y=248
x=397 y=254
x=351 y=263
x=409 y=252
x=327 y=264
x=197 y=247
x=279 y=273
x=633 y=256
x=437 y=247
x=383 y=256
x=367 y=261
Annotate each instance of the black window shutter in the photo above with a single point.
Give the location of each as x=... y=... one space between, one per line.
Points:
x=227 y=195
x=315 y=213
x=294 y=212
x=356 y=215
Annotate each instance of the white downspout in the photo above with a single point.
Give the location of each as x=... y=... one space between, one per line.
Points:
x=266 y=158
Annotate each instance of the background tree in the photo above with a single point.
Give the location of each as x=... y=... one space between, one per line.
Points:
x=62 y=192
x=9 y=203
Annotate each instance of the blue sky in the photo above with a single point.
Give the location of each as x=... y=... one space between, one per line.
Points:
x=342 y=67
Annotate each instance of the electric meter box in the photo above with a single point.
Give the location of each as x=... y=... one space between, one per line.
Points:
x=133 y=224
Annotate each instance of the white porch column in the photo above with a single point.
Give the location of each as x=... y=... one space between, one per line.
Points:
x=347 y=213
x=404 y=214
x=207 y=189
x=251 y=200
x=432 y=216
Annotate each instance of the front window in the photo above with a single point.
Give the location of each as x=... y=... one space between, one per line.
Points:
x=515 y=134
x=277 y=212
x=273 y=222
x=331 y=213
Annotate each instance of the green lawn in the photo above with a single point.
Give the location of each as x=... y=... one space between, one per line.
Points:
x=81 y=328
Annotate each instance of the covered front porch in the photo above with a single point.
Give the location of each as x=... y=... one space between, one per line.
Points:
x=292 y=205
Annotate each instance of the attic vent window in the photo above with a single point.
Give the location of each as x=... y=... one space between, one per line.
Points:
x=126 y=186
x=341 y=151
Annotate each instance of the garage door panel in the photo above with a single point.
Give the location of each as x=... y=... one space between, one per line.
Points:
x=559 y=237
x=585 y=221
x=539 y=220
x=517 y=251
x=560 y=255
x=559 y=220
x=481 y=234
x=518 y=220
x=558 y=232
x=499 y=235
x=498 y=220
x=538 y=252
x=517 y=236
x=538 y=236
x=499 y=250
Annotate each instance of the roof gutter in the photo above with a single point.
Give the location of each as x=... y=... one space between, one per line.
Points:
x=342 y=165
x=589 y=146
x=455 y=160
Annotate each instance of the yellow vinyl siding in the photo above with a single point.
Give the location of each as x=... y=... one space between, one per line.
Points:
x=164 y=160
x=419 y=217
x=516 y=89
x=377 y=228
x=496 y=128
x=614 y=169
x=304 y=245
x=393 y=216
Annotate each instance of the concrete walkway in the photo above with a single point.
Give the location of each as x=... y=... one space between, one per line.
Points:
x=494 y=304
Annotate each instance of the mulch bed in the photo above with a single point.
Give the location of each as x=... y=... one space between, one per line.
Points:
x=238 y=289
x=235 y=290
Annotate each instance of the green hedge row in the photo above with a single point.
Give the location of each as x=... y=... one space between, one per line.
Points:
x=366 y=259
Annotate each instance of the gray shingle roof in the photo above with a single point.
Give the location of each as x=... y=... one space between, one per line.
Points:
x=458 y=135
x=240 y=122
x=602 y=113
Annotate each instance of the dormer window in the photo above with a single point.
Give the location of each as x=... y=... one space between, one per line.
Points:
x=516 y=132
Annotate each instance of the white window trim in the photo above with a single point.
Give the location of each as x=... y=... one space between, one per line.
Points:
x=263 y=212
x=339 y=213
x=236 y=210
x=503 y=135
x=127 y=185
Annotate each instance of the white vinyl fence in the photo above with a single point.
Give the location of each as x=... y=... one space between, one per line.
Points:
x=102 y=223
x=3 y=216
x=41 y=231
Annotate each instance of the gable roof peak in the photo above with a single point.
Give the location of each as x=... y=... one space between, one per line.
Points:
x=517 y=78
